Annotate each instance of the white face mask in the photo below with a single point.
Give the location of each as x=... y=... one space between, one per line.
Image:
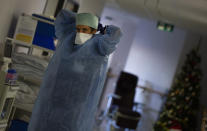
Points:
x=81 y=38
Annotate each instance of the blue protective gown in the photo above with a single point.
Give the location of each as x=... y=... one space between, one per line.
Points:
x=74 y=79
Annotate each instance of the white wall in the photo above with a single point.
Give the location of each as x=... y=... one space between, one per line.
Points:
x=154 y=54
x=154 y=58
x=6 y=11
x=92 y=6
x=50 y=7
x=29 y=6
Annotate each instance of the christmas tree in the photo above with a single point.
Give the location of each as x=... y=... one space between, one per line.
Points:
x=182 y=103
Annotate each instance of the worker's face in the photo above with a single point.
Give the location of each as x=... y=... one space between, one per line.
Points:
x=85 y=29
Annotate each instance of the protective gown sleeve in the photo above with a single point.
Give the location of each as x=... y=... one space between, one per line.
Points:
x=107 y=43
x=64 y=23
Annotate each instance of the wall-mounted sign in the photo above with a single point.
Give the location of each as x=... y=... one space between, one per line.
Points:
x=165 y=26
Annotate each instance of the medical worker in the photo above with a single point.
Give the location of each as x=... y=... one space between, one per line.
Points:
x=74 y=79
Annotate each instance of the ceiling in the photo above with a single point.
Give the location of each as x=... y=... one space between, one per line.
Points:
x=190 y=14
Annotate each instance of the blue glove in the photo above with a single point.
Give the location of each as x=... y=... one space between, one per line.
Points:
x=107 y=43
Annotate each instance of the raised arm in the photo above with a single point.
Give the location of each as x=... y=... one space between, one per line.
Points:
x=107 y=43
x=64 y=23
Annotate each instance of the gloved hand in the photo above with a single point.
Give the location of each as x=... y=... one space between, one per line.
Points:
x=113 y=32
x=107 y=43
x=64 y=23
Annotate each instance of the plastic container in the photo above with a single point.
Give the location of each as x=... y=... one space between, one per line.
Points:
x=11 y=77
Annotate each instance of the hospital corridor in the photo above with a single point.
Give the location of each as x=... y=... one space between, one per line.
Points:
x=103 y=65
